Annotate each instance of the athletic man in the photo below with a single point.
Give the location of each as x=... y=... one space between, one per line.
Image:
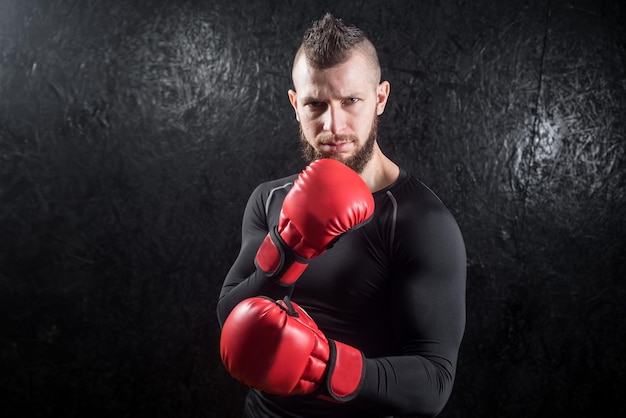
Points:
x=347 y=298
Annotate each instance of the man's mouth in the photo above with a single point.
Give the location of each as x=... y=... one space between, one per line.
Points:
x=336 y=146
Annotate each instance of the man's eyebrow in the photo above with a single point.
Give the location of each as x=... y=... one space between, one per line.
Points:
x=354 y=94
x=309 y=98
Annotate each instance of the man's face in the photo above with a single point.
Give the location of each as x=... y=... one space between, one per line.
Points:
x=337 y=109
x=357 y=160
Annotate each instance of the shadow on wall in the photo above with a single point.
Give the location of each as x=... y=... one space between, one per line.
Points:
x=131 y=135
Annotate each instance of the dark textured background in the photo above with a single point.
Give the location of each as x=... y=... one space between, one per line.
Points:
x=131 y=134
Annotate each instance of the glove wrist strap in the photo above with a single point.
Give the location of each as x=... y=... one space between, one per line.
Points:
x=278 y=261
x=345 y=373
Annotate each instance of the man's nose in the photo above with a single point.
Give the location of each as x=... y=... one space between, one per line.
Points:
x=335 y=120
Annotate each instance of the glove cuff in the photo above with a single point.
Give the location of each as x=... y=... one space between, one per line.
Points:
x=345 y=372
x=278 y=261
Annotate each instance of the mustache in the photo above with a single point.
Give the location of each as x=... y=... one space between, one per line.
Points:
x=330 y=138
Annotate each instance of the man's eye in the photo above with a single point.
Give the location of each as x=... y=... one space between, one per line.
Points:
x=316 y=106
x=351 y=100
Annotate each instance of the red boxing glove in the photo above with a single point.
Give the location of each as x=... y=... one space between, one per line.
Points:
x=327 y=199
x=276 y=347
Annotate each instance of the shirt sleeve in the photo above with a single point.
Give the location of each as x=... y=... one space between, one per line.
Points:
x=244 y=279
x=429 y=319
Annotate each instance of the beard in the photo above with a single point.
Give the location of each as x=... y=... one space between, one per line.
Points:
x=362 y=154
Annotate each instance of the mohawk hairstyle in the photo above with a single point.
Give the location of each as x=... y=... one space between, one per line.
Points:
x=330 y=42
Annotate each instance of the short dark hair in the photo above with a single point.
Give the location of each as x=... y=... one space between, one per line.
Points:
x=330 y=42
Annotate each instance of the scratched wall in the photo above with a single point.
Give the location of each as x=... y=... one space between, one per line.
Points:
x=131 y=134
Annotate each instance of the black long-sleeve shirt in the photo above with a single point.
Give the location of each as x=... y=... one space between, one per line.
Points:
x=394 y=288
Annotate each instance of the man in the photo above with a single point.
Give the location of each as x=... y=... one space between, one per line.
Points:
x=347 y=298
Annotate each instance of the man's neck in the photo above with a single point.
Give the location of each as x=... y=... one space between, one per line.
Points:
x=380 y=171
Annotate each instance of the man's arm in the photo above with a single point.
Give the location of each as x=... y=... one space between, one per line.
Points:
x=429 y=320
x=327 y=199
x=244 y=279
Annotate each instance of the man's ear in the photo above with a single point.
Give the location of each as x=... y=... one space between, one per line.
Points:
x=293 y=98
x=382 y=94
